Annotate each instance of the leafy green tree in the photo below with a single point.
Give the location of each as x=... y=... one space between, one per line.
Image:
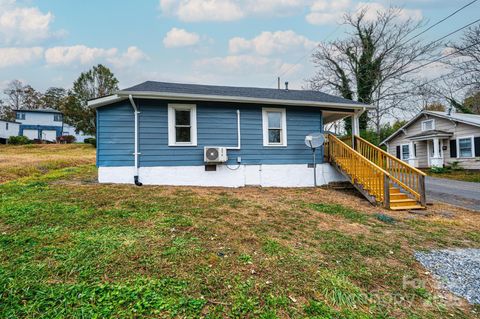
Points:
x=97 y=82
x=54 y=97
x=472 y=103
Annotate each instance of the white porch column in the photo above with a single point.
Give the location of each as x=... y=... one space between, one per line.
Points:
x=356 y=123
x=355 y=126
x=412 y=159
x=436 y=160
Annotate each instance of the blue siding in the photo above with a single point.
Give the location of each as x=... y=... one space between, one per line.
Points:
x=216 y=126
x=41 y=128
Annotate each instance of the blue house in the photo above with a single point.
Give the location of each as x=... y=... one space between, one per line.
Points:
x=45 y=124
x=183 y=134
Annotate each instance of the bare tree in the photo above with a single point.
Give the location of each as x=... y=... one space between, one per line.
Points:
x=370 y=65
x=467 y=58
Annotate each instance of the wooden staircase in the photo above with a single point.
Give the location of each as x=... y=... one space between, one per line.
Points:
x=380 y=177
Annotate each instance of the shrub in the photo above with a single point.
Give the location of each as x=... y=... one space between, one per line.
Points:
x=438 y=170
x=18 y=140
x=455 y=166
x=91 y=140
x=66 y=139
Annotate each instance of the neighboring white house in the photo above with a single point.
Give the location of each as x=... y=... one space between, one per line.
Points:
x=70 y=130
x=435 y=138
x=45 y=124
x=7 y=129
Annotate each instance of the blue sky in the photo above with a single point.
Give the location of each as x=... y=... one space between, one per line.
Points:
x=232 y=42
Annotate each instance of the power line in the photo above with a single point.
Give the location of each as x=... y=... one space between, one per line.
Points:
x=440 y=21
x=440 y=58
x=415 y=36
x=453 y=32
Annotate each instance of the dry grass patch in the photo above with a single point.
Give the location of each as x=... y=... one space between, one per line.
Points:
x=28 y=160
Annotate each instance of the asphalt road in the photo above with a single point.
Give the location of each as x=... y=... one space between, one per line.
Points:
x=463 y=194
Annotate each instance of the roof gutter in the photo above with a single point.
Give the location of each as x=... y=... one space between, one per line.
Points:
x=122 y=95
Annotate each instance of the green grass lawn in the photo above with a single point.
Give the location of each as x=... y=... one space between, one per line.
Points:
x=71 y=248
x=459 y=175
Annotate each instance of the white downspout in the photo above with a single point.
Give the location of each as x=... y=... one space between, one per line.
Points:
x=238 y=134
x=136 y=153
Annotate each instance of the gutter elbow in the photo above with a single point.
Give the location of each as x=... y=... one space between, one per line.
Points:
x=136 y=181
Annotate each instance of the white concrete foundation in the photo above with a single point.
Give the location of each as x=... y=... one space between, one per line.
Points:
x=295 y=175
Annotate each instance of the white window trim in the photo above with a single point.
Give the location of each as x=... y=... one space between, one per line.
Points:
x=401 y=151
x=171 y=124
x=283 y=111
x=472 y=138
x=429 y=120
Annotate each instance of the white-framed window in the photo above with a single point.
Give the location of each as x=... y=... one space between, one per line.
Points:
x=274 y=122
x=182 y=125
x=428 y=125
x=20 y=116
x=404 y=151
x=57 y=117
x=6 y=126
x=465 y=146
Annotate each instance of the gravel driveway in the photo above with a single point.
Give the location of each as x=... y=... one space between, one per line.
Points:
x=463 y=194
x=456 y=269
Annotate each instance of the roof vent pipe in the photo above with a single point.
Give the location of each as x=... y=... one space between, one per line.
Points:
x=449 y=111
x=286 y=86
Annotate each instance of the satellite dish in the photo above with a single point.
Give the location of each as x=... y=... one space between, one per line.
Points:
x=314 y=140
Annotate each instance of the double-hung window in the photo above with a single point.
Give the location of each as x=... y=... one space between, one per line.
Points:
x=428 y=125
x=405 y=151
x=182 y=125
x=274 y=127
x=465 y=146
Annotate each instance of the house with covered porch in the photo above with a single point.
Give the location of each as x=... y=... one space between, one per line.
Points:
x=437 y=139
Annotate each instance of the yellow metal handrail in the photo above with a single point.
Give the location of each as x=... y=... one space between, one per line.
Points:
x=370 y=176
x=408 y=177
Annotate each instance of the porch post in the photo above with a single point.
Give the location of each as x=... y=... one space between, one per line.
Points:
x=436 y=148
x=355 y=126
x=412 y=159
x=436 y=160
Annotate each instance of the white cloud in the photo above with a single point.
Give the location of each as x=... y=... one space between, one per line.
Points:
x=226 y=10
x=132 y=56
x=374 y=7
x=243 y=65
x=180 y=38
x=268 y=43
x=330 y=12
x=203 y=10
x=85 y=55
x=19 y=25
x=18 y=56
x=77 y=54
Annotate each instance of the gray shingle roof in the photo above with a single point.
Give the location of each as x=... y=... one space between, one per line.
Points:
x=246 y=92
x=48 y=110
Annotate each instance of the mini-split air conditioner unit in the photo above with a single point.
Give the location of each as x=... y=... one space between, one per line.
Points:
x=213 y=154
